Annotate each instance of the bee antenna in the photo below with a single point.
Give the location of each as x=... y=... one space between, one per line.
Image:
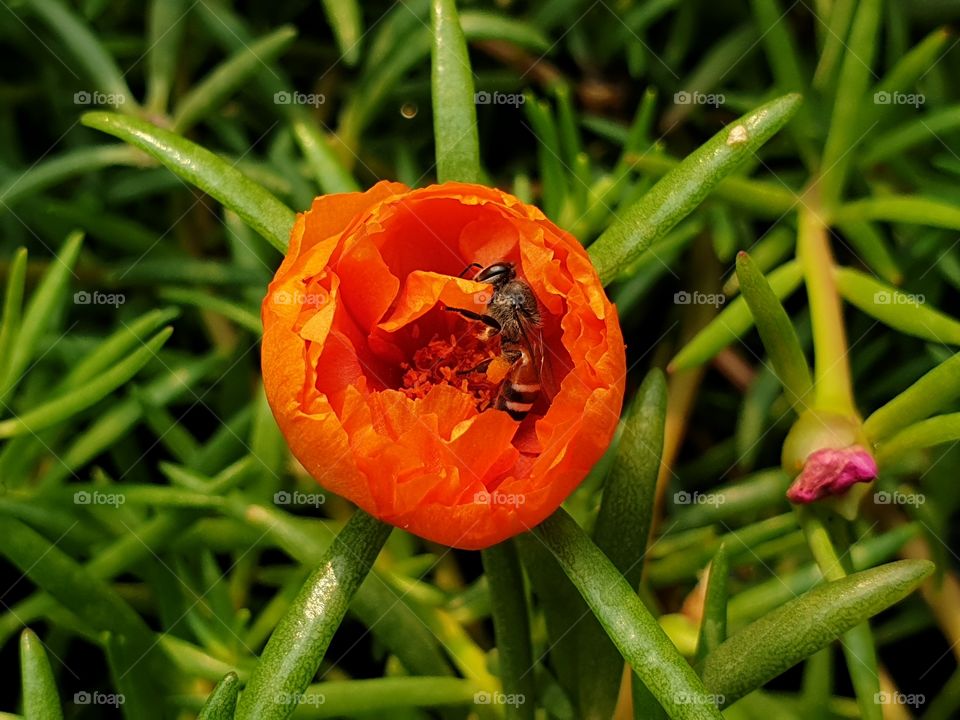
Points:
x=468 y=267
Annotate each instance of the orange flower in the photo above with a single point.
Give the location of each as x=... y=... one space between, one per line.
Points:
x=369 y=378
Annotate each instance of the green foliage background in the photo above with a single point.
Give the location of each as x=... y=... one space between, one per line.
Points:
x=165 y=550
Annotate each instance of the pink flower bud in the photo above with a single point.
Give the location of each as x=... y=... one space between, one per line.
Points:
x=832 y=471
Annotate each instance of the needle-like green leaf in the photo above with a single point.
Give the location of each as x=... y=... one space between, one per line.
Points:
x=132 y=679
x=222 y=702
x=511 y=627
x=626 y=510
x=782 y=638
x=733 y=321
x=387 y=697
x=481 y=25
x=621 y=532
x=549 y=153
x=779 y=337
x=914 y=64
x=681 y=190
x=926 y=433
x=63 y=167
x=850 y=108
x=120 y=419
x=747 y=496
x=872 y=248
x=713 y=624
x=562 y=608
x=900 y=140
x=257 y=207
x=228 y=77
x=915 y=209
x=130 y=336
x=764 y=198
x=835 y=22
x=933 y=392
x=41 y=701
x=293 y=653
x=12 y=304
x=346 y=20
x=780 y=45
x=627 y=621
x=60 y=408
x=164 y=38
x=824 y=535
x=41 y=311
x=88 y=51
x=244 y=317
x=454 y=104
x=330 y=174
x=231 y=33
x=906 y=312
x=74 y=587
x=740 y=542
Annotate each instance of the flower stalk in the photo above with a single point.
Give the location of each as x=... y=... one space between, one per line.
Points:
x=833 y=389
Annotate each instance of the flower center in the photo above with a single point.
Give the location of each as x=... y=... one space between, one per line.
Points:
x=453 y=361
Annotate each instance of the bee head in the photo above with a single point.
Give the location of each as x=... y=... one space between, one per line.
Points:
x=498 y=274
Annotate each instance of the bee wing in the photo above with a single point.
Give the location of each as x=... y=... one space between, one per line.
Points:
x=548 y=383
x=533 y=340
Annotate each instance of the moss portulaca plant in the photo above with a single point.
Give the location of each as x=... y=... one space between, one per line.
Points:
x=379 y=426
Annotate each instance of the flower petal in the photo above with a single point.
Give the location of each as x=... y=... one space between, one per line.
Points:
x=363 y=288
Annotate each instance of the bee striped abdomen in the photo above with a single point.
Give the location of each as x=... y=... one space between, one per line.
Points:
x=517 y=398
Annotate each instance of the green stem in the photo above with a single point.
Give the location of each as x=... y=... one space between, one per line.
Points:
x=833 y=388
x=821 y=544
x=511 y=627
x=859 y=648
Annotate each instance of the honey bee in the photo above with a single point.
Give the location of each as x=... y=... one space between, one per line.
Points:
x=513 y=313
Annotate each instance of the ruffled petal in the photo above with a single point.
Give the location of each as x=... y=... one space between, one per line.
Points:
x=363 y=285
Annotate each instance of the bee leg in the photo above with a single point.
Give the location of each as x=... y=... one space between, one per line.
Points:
x=471 y=315
x=482 y=367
